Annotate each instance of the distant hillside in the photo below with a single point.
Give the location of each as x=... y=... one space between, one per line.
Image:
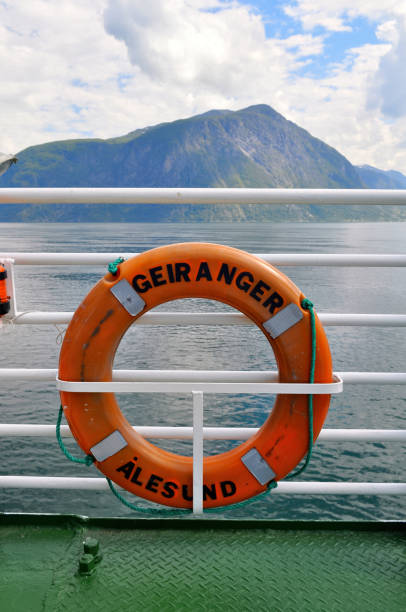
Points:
x=254 y=147
x=381 y=179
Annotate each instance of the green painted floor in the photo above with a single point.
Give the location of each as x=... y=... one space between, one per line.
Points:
x=201 y=565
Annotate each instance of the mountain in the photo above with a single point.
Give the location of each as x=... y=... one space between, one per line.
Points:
x=381 y=179
x=253 y=147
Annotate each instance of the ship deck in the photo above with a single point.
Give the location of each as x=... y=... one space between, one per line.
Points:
x=197 y=564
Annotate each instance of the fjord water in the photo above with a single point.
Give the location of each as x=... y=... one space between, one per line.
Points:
x=355 y=289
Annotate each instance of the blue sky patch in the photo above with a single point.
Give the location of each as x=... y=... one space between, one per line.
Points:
x=79 y=83
x=336 y=44
x=123 y=79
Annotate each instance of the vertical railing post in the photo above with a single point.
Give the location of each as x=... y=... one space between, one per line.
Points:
x=197 y=452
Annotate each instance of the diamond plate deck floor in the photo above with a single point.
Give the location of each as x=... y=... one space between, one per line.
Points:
x=197 y=565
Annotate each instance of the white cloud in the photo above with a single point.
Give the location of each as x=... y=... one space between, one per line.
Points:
x=178 y=43
x=336 y=15
x=47 y=49
x=105 y=67
x=378 y=73
x=388 y=90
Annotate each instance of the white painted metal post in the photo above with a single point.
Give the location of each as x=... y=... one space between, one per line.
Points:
x=197 y=452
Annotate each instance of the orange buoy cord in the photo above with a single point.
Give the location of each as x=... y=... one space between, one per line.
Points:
x=4 y=298
x=193 y=270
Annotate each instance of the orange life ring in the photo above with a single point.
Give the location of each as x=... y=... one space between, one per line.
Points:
x=192 y=270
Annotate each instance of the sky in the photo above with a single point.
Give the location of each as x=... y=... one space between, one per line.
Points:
x=103 y=68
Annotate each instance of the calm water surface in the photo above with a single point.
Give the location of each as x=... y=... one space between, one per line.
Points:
x=363 y=290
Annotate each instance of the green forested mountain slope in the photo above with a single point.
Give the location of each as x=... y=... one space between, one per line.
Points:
x=254 y=147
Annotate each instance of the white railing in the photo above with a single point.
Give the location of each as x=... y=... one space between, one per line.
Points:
x=276 y=259
x=289 y=488
x=11 y=259
x=181 y=195
x=328 y=319
x=198 y=382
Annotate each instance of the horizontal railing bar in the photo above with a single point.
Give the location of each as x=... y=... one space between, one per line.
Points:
x=290 y=488
x=180 y=195
x=362 y=435
x=277 y=259
x=218 y=376
x=373 y=378
x=329 y=319
x=209 y=433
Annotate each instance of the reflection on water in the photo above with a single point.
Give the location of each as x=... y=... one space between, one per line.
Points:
x=374 y=290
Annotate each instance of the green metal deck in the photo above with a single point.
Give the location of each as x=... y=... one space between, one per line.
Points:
x=152 y=564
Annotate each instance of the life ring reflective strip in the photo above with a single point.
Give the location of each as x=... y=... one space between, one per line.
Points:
x=192 y=270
